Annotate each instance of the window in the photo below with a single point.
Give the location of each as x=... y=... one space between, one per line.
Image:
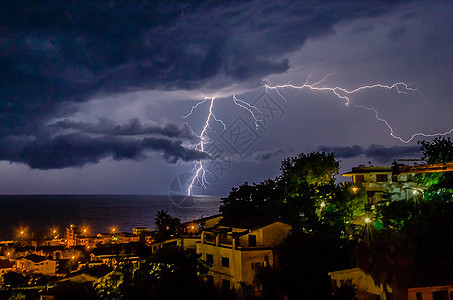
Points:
x=252 y=240
x=257 y=265
x=359 y=178
x=225 y=262
x=440 y=295
x=419 y=296
x=381 y=178
x=225 y=285
x=210 y=259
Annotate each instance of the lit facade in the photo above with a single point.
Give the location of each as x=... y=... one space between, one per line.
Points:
x=237 y=252
x=382 y=185
x=37 y=264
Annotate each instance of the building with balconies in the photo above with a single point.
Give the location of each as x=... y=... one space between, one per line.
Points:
x=382 y=184
x=237 y=250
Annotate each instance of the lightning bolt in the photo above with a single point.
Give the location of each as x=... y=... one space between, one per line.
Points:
x=251 y=109
x=344 y=94
x=199 y=169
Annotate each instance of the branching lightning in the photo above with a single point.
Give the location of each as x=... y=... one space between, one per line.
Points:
x=200 y=171
x=344 y=94
x=251 y=109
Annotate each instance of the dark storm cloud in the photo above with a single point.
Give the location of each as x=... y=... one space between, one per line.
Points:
x=378 y=152
x=78 y=149
x=55 y=52
x=260 y=156
x=131 y=128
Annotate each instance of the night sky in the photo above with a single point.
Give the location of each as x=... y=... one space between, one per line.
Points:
x=93 y=95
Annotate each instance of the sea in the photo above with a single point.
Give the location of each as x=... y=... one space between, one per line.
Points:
x=44 y=213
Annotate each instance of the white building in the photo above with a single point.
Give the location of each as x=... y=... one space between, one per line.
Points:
x=381 y=184
x=37 y=264
x=237 y=251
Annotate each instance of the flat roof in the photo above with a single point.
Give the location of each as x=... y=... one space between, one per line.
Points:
x=367 y=170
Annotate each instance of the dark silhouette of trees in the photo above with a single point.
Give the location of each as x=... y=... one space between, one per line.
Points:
x=14 y=279
x=166 y=225
x=171 y=273
x=304 y=195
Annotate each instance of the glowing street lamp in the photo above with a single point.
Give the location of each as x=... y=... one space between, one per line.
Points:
x=85 y=231
x=55 y=232
x=21 y=232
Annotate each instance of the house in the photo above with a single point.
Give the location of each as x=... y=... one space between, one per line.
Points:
x=188 y=234
x=363 y=282
x=237 y=250
x=382 y=184
x=79 y=236
x=37 y=264
x=431 y=293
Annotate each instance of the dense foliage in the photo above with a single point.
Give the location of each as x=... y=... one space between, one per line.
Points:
x=335 y=227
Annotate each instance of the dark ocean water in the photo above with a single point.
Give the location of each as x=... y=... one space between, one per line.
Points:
x=39 y=213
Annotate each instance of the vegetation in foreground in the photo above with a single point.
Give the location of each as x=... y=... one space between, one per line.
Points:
x=400 y=243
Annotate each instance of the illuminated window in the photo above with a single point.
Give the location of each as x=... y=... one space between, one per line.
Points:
x=381 y=178
x=225 y=262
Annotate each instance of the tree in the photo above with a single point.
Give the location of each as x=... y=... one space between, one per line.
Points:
x=171 y=273
x=166 y=225
x=298 y=196
x=304 y=261
x=257 y=200
x=14 y=279
x=439 y=185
